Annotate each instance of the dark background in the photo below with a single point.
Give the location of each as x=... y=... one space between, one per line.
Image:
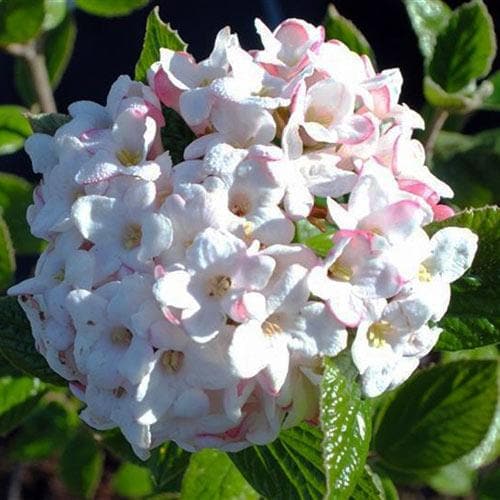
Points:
x=106 y=48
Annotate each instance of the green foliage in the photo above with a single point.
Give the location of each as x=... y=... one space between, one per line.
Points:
x=110 y=8
x=465 y=49
x=167 y=464
x=18 y=396
x=81 y=465
x=439 y=415
x=490 y=485
x=212 y=476
x=15 y=197
x=18 y=346
x=55 y=11
x=289 y=467
x=20 y=20
x=346 y=423
x=58 y=46
x=428 y=18
x=47 y=123
x=58 y=425
x=340 y=28
x=14 y=129
x=158 y=34
x=368 y=487
x=132 y=481
x=7 y=259
x=473 y=317
x=467 y=163
x=175 y=135
x=492 y=102
x=311 y=236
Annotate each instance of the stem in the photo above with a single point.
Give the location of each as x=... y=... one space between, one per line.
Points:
x=33 y=54
x=438 y=120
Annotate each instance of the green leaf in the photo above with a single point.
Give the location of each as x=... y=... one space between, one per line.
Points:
x=451 y=101
x=492 y=102
x=368 y=487
x=58 y=46
x=47 y=123
x=7 y=257
x=175 y=135
x=454 y=479
x=20 y=20
x=465 y=49
x=17 y=344
x=212 y=476
x=304 y=230
x=55 y=11
x=439 y=415
x=321 y=243
x=167 y=465
x=340 y=28
x=18 y=397
x=15 y=197
x=81 y=465
x=110 y=8
x=132 y=481
x=158 y=34
x=289 y=467
x=467 y=164
x=14 y=129
x=114 y=441
x=58 y=425
x=489 y=486
x=427 y=18
x=473 y=317
x=346 y=422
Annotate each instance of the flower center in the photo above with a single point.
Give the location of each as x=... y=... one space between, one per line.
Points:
x=119 y=392
x=128 y=158
x=424 y=274
x=340 y=272
x=172 y=361
x=270 y=329
x=132 y=236
x=218 y=286
x=240 y=205
x=318 y=115
x=377 y=333
x=121 y=336
x=59 y=276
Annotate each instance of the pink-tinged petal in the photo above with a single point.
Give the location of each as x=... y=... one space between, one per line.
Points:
x=347 y=307
x=166 y=91
x=195 y=105
x=442 y=212
x=396 y=222
x=320 y=133
x=173 y=290
x=251 y=305
x=355 y=130
x=248 y=350
x=134 y=131
x=452 y=252
x=255 y=272
x=290 y=291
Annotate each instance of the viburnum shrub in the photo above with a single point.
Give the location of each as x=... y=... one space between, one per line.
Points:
x=231 y=240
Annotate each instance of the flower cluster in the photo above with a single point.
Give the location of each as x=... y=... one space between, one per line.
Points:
x=175 y=299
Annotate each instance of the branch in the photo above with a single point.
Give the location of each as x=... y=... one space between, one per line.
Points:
x=33 y=54
x=437 y=122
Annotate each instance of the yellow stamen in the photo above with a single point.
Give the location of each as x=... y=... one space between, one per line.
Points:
x=128 y=158
x=218 y=286
x=132 y=236
x=121 y=336
x=424 y=274
x=340 y=272
x=59 y=276
x=269 y=328
x=377 y=333
x=172 y=361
